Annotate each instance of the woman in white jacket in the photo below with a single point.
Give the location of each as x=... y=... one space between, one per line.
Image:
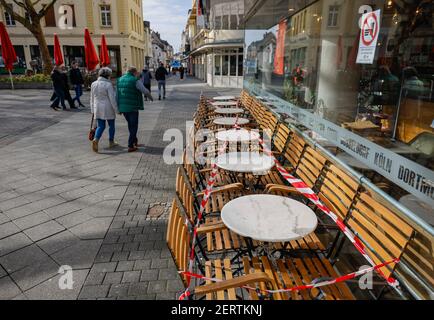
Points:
x=104 y=107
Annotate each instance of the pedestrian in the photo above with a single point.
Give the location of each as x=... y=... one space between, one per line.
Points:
x=160 y=76
x=59 y=89
x=181 y=72
x=130 y=91
x=77 y=81
x=66 y=88
x=146 y=78
x=104 y=107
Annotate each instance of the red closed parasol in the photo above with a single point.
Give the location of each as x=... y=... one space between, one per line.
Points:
x=8 y=52
x=104 y=57
x=90 y=52
x=58 y=55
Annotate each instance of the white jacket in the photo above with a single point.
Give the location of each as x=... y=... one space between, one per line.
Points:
x=102 y=100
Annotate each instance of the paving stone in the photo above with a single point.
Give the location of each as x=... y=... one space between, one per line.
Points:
x=35 y=274
x=8 y=229
x=142 y=265
x=32 y=220
x=93 y=292
x=104 y=257
x=50 y=289
x=131 y=276
x=113 y=278
x=58 y=242
x=125 y=266
x=136 y=255
x=95 y=277
x=13 y=243
x=22 y=258
x=104 y=267
x=149 y=275
x=138 y=289
x=62 y=210
x=168 y=274
x=118 y=290
x=92 y=229
x=120 y=256
x=4 y=218
x=73 y=219
x=80 y=255
x=8 y=289
x=44 y=230
x=157 y=286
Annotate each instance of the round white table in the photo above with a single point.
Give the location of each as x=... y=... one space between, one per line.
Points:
x=229 y=111
x=231 y=121
x=224 y=98
x=269 y=218
x=235 y=135
x=418 y=207
x=245 y=162
x=224 y=104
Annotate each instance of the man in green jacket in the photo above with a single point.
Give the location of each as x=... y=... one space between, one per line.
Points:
x=130 y=91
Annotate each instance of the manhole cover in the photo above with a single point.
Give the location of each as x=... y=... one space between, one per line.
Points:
x=156 y=211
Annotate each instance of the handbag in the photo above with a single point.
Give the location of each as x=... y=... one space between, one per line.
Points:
x=92 y=130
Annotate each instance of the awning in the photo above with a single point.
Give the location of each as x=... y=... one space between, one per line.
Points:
x=217 y=45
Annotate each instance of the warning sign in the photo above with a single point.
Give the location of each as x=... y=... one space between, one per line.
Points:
x=369 y=37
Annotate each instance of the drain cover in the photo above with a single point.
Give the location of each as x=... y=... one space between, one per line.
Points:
x=156 y=211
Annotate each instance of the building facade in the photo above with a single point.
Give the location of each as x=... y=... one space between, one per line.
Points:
x=120 y=20
x=148 y=43
x=162 y=50
x=213 y=43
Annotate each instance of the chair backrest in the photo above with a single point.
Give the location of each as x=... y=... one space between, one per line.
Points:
x=190 y=172
x=281 y=137
x=385 y=234
x=270 y=122
x=294 y=149
x=339 y=188
x=185 y=195
x=178 y=239
x=311 y=166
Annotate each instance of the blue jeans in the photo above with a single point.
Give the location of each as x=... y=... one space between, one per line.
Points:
x=162 y=85
x=101 y=128
x=78 y=92
x=133 y=127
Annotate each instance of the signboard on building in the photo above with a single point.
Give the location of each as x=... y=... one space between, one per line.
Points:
x=370 y=29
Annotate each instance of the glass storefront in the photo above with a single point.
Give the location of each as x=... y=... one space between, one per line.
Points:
x=366 y=67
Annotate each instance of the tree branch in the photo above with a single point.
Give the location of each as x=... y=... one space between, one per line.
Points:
x=45 y=9
x=9 y=9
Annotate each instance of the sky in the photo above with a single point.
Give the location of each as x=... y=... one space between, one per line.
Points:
x=168 y=17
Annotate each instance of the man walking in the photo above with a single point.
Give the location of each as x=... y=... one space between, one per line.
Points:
x=160 y=76
x=146 y=78
x=77 y=81
x=130 y=91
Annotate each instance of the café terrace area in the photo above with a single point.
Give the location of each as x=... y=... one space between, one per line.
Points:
x=262 y=212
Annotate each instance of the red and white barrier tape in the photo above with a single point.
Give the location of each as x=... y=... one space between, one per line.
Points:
x=310 y=194
x=206 y=196
x=311 y=285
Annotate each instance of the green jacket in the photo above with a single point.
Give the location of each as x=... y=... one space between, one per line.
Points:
x=129 y=98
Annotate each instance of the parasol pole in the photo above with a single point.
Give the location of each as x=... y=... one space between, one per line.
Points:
x=12 y=81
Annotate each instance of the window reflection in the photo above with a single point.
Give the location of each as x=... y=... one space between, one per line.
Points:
x=309 y=58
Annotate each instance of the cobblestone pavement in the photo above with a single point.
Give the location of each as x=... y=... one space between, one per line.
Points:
x=102 y=214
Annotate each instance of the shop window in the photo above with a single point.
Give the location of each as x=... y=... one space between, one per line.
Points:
x=240 y=65
x=333 y=16
x=225 y=66
x=233 y=65
x=217 y=65
x=106 y=16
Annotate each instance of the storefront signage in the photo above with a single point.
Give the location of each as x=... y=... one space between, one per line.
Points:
x=407 y=174
x=370 y=29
